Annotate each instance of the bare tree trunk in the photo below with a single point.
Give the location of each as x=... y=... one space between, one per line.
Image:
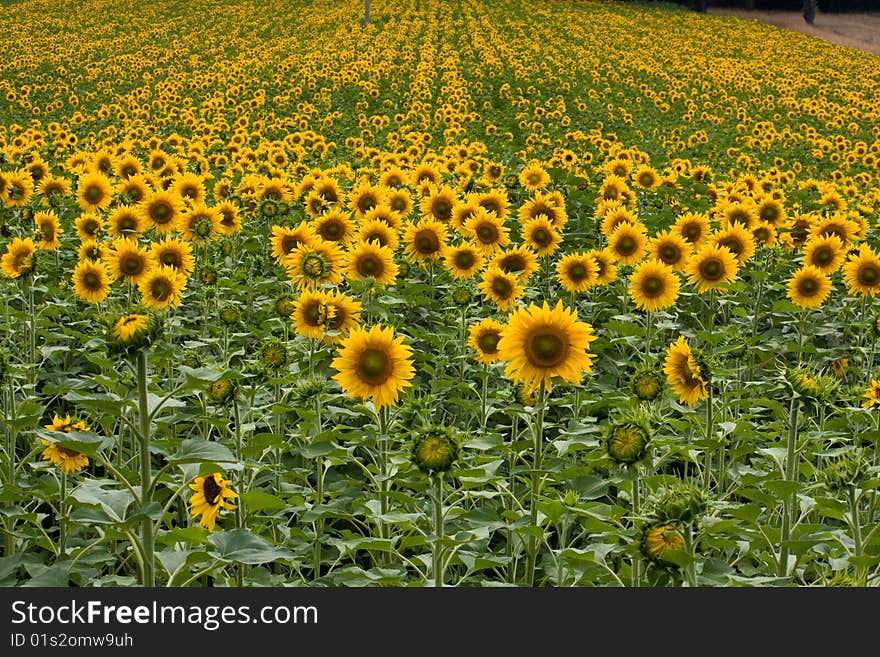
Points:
x=809 y=8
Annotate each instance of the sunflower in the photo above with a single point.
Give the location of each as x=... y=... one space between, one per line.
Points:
x=646 y=177
x=425 y=172
x=162 y=286
x=426 y=240
x=577 y=272
x=519 y=260
x=67 y=459
x=315 y=264
x=653 y=286
x=135 y=189
x=487 y=231
x=52 y=188
x=606 y=268
x=738 y=240
x=693 y=227
x=130 y=328
x=91 y=250
x=126 y=167
x=495 y=200
x=161 y=210
x=544 y=205
x=438 y=205
x=377 y=230
x=399 y=201
x=534 y=177
x=374 y=365
x=808 y=287
x=311 y=314
x=464 y=260
x=872 y=395
x=670 y=248
x=463 y=211
x=19 y=257
x=628 y=243
x=540 y=343
x=483 y=339
x=370 y=260
x=771 y=210
x=684 y=374
x=125 y=259
x=615 y=217
x=825 y=253
x=661 y=537
x=738 y=212
x=125 y=221
x=91 y=281
x=211 y=493
x=501 y=288
x=334 y=226
x=285 y=241
x=614 y=188
x=862 y=272
x=837 y=224
x=540 y=235
x=343 y=314
x=765 y=234
x=200 y=223
x=435 y=449
x=17 y=189
x=364 y=198
x=48 y=229
x=94 y=192
x=174 y=253
x=230 y=219
x=711 y=267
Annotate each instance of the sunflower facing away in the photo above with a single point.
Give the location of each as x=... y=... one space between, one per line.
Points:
x=540 y=343
x=68 y=460
x=374 y=365
x=683 y=373
x=211 y=493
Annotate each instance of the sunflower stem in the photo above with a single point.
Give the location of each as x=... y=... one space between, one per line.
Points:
x=437 y=560
x=62 y=515
x=710 y=430
x=649 y=326
x=690 y=549
x=9 y=415
x=32 y=336
x=788 y=500
x=856 y=524
x=756 y=316
x=147 y=539
x=383 y=472
x=319 y=494
x=462 y=341
x=239 y=511
x=636 y=511
x=537 y=465
x=484 y=401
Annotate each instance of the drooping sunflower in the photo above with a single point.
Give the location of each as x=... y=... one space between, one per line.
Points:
x=693 y=227
x=862 y=272
x=670 y=248
x=162 y=211
x=541 y=235
x=334 y=226
x=464 y=260
x=91 y=281
x=825 y=253
x=577 y=272
x=130 y=328
x=48 y=230
x=343 y=314
x=311 y=314
x=659 y=538
x=211 y=493
x=711 y=267
x=483 y=339
x=19 y=257
x=67 y=459
x=94 y=192
x=374 y=364
x=684 y=374
x=285 y=241
x=426 y=240
x=654 y=286
x=487 y=231
x=162 y=287
x=628 y=243
x=125 y=221
x=174 y=253
x=540 y=343
x=370 y=260
x=501 y=288
x=808 y=287
x=125 y=259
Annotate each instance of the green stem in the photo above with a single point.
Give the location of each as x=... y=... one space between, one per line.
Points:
x=856 y=524
x=62 y=516
x=537 y=466
x=462 y=340
x=147 y=539
x=437 y=563
x=484 y=402
x=239 y=511
x=383 y=472
x=710 y=430
x=319 y=495
x=690 y=549
x=789 y=500
x=9 y=538
x=636 y=512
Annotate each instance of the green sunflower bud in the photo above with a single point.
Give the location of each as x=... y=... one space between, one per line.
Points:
x=223 y=390
x=403 y=269
x=230 y=314
x=434 y=449
x=284 y=305
x=681 y=503
x=647 y=383
x=627 y=440
x=208 y=275
x=269 y=208
x=462 y=296
x=274 y=354
x=308 y=389
x=844 y=471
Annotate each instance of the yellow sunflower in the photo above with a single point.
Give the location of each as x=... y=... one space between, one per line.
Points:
x=501 y=288
x=67 y=459
x=377 y=230
x=174 y=253
x=464 y=260
x=711 y=267
x=487 y=231
x=872 y=395
x=130 y=327
x=824 y=252
x=653 y=286
x=334 y=226
x=606 y=268
x=540 y=343
x=311 y=313
x=439 y=204
x=495 y=200
x=646 y=177
x=670 y=248
x=693 y=227
x=19 y=257
x=577 y=272
x=315 y=264
x=161 y=210
x=374 y=365
x=285 y=241
x=483 y=339
x=738 y=240
x=91 y=281
x=48 y=230
x=88 y=226
x=94 y=192
x=683 y=373
x=519 y=260
x=162 y=286
x=211 y=493
x=343 y=314
x=370 y=260
x=200 y=223
x=125 y=259
x=808 y=287
x=616 y=216
x=365 y=197
x=425 y=241
x=862 y=272
x=534 y=177
x=125 y=221
x=540 y=235
x=628 y=243
x=230 y=218
x=661 y=537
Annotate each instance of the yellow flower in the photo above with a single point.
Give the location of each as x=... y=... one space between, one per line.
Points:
x=162 y=286
x=211 y=493
x=711 y=267
x=872 y=395
x=91 y=281
x=501 y=288
x=654 y=286
x=683 y=373
x=19 y=257
x=577 y=272
x=68 y=460
x=862 y=272
x=483 y=338
x=808 y=287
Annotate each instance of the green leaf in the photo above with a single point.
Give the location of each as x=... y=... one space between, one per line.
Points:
x=196 y=450
x=257 y=500
x=86 y=442
x=241 y=546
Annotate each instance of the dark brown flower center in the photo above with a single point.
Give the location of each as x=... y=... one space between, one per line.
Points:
x=161 y=289
x=94 y=194
x=546 y=348
x=712 y=269
x=652 y=287
x=669 y=253
x=426 y=242
x=161 y=212
x=370 y=265
x=488 y=342
x=501 y=287
x=626 y=245
x=869 y=274
x=464 y=260
x=374 y=366
x=487 y=233
x=212 y=490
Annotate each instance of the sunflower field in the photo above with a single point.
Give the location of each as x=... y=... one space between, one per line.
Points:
x=569 y=293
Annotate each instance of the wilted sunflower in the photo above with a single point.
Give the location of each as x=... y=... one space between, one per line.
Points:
x=48 y=230
x=19 y=258
x=125 y=259
x=425 y=241
x=653 y=286
x=162 y=286
x=540 y=343
x=808 y=287
x=369 y=260
x=711 y=267
x=91 y=281
x=286 y=241
x=501 y=288
x=94 y=192
x=684 y=374
x=862 y=272
x=577 y=272
x=464 y=260
x=374 y=365
x=483 y=338
x=67 y=459
x=211 y=493
x=541 y=236
x=627 y=244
